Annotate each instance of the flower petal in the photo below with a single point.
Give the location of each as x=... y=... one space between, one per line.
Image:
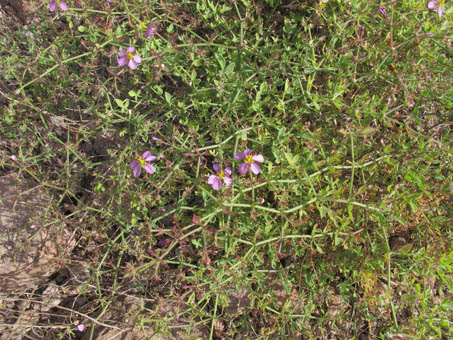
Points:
x=63 y=6
x=243 y=168
x=137 y=59
x=258 y=158
x=149 y=168
x=122 y=53
x=211 y=179
x=255 y=168
x=122 y=61
x=239 y=156
x=132 y=64
x=135 y=164
x=228 y=181
x=53 y=5
x=440 y=11
x=216 y=168
x=216 y=183
x=137 y=171
x=247 y=152
x=227 y=171
x=131 y=49
x=432 y=4
x=150 y=30
x=148 y=156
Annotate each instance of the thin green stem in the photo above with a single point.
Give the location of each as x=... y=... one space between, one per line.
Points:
x=306 y=178
x=58 y=65
x=50 y=70
x=246 y=205
x=351 y=183
x=389 y=253
x=215 y=146
x=211 y=334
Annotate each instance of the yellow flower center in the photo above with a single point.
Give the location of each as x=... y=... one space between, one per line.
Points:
x=249 y=158
x=220 y=174
x=141 y=160
x=129 y=55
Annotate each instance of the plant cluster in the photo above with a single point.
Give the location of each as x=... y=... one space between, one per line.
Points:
x=239 y=169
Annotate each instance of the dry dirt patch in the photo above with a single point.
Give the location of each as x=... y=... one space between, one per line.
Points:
x=30 y=250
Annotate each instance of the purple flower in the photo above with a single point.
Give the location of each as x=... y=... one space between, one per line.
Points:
x=81 y=328
x=432 y=5
x=383 y=11
x=250 y=161
x=151 y=30
x=109 y=1
x=216 y=180
x=137 y=165
x=128 y=55
x=53 y=5
x=440 y=11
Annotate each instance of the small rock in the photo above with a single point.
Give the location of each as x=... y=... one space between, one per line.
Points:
x=363 y=337
x=397 y=242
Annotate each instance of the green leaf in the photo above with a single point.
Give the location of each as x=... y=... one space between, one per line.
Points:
x=406 y=249
x=229 y=69
x=168 y=97
x=446 y=305
x=292 y=159
x=318 y=248
x=367 y=131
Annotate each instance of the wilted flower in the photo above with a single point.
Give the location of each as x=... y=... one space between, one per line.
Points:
x=53 y=5
x=362 y=31
x=128 y=55
x=216 y=180
x=137 y=165
x=151 y=30
x=383 y=11
x=250 y=161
